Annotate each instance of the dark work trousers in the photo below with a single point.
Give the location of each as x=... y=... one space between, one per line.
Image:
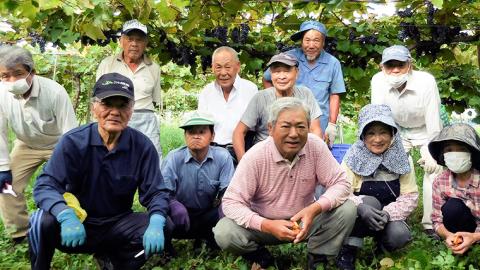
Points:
x=201 y=224
x=457 y=217
x=395 y=234
x=119 y=240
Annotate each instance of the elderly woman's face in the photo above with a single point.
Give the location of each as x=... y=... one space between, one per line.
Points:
x=377 y=137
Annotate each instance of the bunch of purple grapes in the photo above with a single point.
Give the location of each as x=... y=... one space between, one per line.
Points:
x=37 y=39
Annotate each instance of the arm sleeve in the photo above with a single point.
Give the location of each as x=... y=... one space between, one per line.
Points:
x=4 y=157
x=437 y=202
x=202 y=100
x=315 y=111
x=55 y=176
x=64 y=112
x=169 y=172
x=227 y=171
x=152 y=192
x=330 y=175
x=239 y=194
x=102 y=68
x=402 y=207
x=250 y=116
x=432 y=114
x=157 y=90
x=354 y=181
x=338 y=84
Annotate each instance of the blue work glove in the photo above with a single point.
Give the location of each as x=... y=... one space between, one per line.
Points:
x=72 y=231
x=153 y=239
x=5 y=177
x=179 y=215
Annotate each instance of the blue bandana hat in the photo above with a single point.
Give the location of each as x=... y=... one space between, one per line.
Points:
x=363 y=162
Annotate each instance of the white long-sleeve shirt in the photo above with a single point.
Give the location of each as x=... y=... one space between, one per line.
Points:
x=416 y=109
x=39 y=120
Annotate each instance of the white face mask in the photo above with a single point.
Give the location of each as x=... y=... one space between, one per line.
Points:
x=18 y=87
x=458 y=162
x=396 y=81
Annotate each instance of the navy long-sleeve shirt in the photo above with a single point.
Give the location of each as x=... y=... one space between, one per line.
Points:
x=104 y=181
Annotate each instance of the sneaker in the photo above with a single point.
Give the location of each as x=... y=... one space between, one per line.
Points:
x=346 y=258
x=261 y=256
x=315 y=260
x=432 y=234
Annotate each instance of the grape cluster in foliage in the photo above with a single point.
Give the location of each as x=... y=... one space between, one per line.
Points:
x=37 y=39
x=439 y=34
x=111 y=36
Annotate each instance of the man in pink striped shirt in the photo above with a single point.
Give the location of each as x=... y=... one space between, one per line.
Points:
x=273 y=190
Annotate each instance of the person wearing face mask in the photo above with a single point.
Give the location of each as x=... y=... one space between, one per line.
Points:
x=383 y=185
x=415 y=103
x=456 y=191
x=38 y=111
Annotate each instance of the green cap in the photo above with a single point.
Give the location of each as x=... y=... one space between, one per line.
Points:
x=198 y=118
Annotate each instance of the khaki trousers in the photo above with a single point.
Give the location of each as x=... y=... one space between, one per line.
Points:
x=24 y=161
x=326 y=235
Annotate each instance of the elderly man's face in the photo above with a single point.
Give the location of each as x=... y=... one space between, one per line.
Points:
x=225 y=68
x=395 y=67
x=283 y=77
x=312 y=44
x=290 y=132
x=133 y=45
x=198 y=137
x=16 y=73
x=113 y=113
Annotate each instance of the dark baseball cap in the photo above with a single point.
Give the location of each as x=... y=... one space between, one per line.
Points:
x=283 y=58
x=113 y=84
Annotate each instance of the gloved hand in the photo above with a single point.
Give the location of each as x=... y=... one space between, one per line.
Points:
x=371 y=216
x=72 y=231
x=427 y=162
x=154 y=239
x=330 y=133
x=5 y=177
x=179 y=214
x=385 y=218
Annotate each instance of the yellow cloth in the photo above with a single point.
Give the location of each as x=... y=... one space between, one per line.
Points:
x=73 y=202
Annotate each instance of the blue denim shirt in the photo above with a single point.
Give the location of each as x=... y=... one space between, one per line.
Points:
x=324 y=78
x=196 y=184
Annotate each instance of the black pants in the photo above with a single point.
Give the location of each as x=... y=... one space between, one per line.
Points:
x=457 y=217
x=118 y=240
x=201 y=224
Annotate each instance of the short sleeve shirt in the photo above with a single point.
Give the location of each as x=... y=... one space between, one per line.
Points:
x=324 y=78
x=256 y=114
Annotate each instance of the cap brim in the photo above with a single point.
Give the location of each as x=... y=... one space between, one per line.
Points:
x=298 y=35
x=402 y=59
x=133 y=29
x=282 y=62
x=108 y=94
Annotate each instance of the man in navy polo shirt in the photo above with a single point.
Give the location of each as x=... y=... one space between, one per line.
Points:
x=102 y=164
x=320 y=72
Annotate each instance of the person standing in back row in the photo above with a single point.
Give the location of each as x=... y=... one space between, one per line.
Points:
x=415 y=103
x=133 y=63
x=320 y=72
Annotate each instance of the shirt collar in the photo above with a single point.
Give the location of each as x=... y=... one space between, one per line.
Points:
x=145 y=59
x=235 y=85
x=277 y=157
x=123 y=142
x=188 y=156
